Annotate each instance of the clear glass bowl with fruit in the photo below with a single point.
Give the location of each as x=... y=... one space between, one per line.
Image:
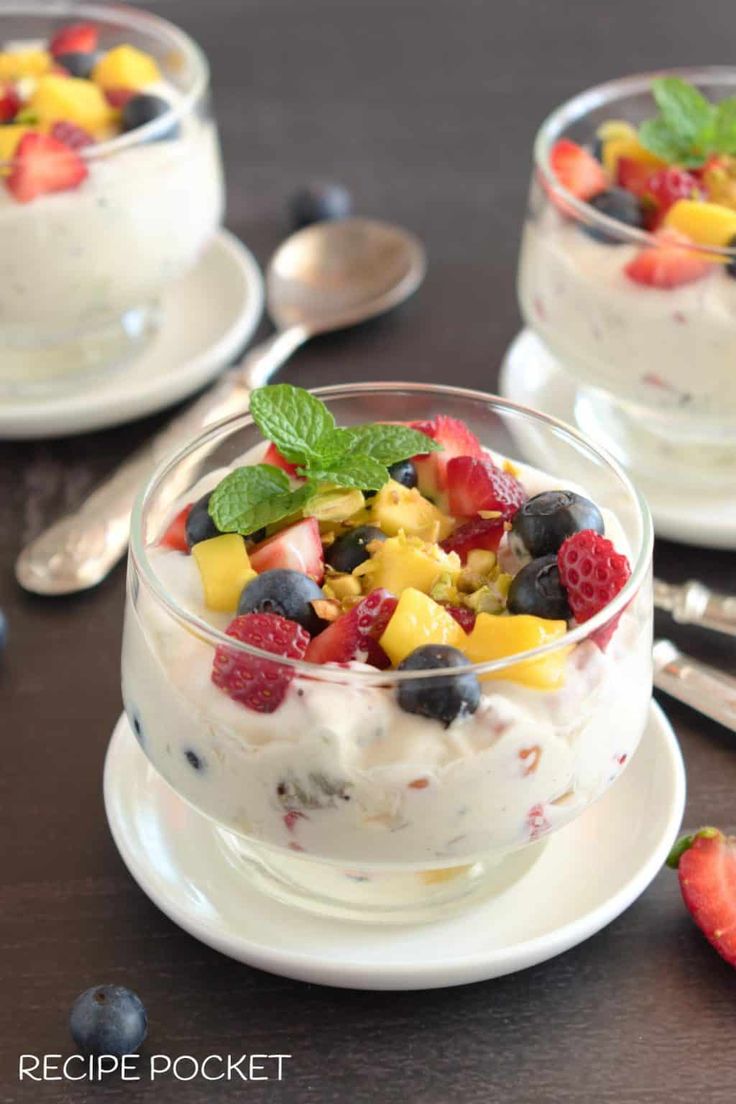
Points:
x=111 y=184
x=628 y=266
x=387 y=658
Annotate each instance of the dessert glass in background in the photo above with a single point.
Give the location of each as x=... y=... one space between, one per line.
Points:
x=339 y=801
x=82 y=270
x=654 y=364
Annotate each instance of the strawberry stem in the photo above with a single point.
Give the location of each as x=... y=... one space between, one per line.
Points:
x=684 y=844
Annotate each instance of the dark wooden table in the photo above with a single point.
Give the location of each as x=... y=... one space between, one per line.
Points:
x=426 y=110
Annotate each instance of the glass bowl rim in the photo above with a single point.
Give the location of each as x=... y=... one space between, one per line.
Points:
x=137 y=19
x=197 y=626
x=578 y=106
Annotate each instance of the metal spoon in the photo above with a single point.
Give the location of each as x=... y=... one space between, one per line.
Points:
x=323 y=278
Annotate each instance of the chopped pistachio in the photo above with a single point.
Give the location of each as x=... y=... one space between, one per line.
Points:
x=334 y=504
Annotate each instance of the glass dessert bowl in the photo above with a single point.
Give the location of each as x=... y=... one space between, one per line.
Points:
x=385 y=707
x=628 y=267
x=111 y=186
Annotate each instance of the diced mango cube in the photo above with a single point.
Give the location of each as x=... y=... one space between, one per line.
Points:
x=615 y=148
x=71 y=100
x=402 y=562
x=496 y=637
x=10 y=136
x=396 y=507
x=225 y=569
x=418 y=620
x=16 y=64
x=705 y=223
x=126 y=67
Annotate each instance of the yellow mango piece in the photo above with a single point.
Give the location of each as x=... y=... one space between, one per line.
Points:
x=496 y=637
x=10 y=136
x=402 y=562
x=16 y=64
x=225 y=569
x=417 y=620
x=126 y=67
x=705 y=223
x=627 y=146
x=71 y=100
x=396 y=507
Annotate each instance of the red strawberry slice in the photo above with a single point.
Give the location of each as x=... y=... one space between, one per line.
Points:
x=576 y=169
x=706 y=867
x=175 y=536
x=666 y=186
x=10 y=103
x=298 y=547
x=354 y=636
x=456 y=440
x=476 y=484
x=632 y=175
x=73 y=136
x=44 y=164
x=483 y=533
x=273 y=456
x=672 y=262
x=259 y=684
x=464 y=617
x=592 y=572
x=76 y=38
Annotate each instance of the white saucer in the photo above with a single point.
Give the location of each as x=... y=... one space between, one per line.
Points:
x=588 y=873
x=207 y=318
x=530 y=375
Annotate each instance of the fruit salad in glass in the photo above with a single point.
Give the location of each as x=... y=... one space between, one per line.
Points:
x=386 y=657
x=111 y=184
x=628 y=266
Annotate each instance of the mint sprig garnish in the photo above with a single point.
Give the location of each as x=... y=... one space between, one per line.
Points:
x=304 y=432
x=688 y=128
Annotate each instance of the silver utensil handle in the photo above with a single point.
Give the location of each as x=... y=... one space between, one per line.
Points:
x=79 y=550
x=705 y=688
x=695 y=604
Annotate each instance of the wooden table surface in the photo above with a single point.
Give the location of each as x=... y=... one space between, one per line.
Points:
x=426 y=110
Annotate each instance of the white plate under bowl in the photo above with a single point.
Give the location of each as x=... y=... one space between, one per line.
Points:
x=207 y=318
x=530 y=375
x=585 y=876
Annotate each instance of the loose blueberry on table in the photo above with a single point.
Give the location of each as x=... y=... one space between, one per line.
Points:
x=108 y=1019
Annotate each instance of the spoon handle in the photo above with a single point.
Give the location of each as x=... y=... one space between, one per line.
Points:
x=710 y=691
x=81 y=548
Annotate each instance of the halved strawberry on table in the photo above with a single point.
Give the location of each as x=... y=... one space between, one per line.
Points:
x=456 y=440
x=673 y=261
x=475 y=484
x=297 y=547
x=354 y=635
x=706 y=867
x=43 y=164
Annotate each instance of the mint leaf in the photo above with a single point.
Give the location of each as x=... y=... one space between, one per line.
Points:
x=724 y=127
x=686 y=111
x=292 y=418
x=333 y=446
x=656 y=136
x=362 y=472
x=390 y=443
x=249 y=498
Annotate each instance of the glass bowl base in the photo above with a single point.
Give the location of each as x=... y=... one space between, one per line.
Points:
x=381 y=895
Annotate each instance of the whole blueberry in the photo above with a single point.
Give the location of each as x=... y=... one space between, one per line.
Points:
x=597 y=148
x=200 y=526
x=108 y=1019
x=547 y=519
x=350 y=550
x=287 y=593
x=444 y=697
x=404 y=472
x=3 y=630
x=144 y=108
x=731 y=266
x=78 y=64
x=618 y=204
x=537 y=589
x=318 y=202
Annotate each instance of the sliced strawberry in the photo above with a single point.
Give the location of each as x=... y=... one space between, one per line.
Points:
x=592 y=573
x=76 y=38
x=44 y=164
x=273 y=456
x=118 y=97
x=464 y=617
x=456 y=440
x=73 y=136
x=175 y=536
x=259 y=684
x=576 y=169
x=476 y=484
x=706 y=867
x=483 y=533
x=354 y=636
x=10 y=103
x=671 y=263
x=632 y=175
x=297 y=547
x=665 y=187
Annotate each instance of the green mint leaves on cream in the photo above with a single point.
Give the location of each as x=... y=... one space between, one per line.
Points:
x=688 y=128
x=325 y=456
